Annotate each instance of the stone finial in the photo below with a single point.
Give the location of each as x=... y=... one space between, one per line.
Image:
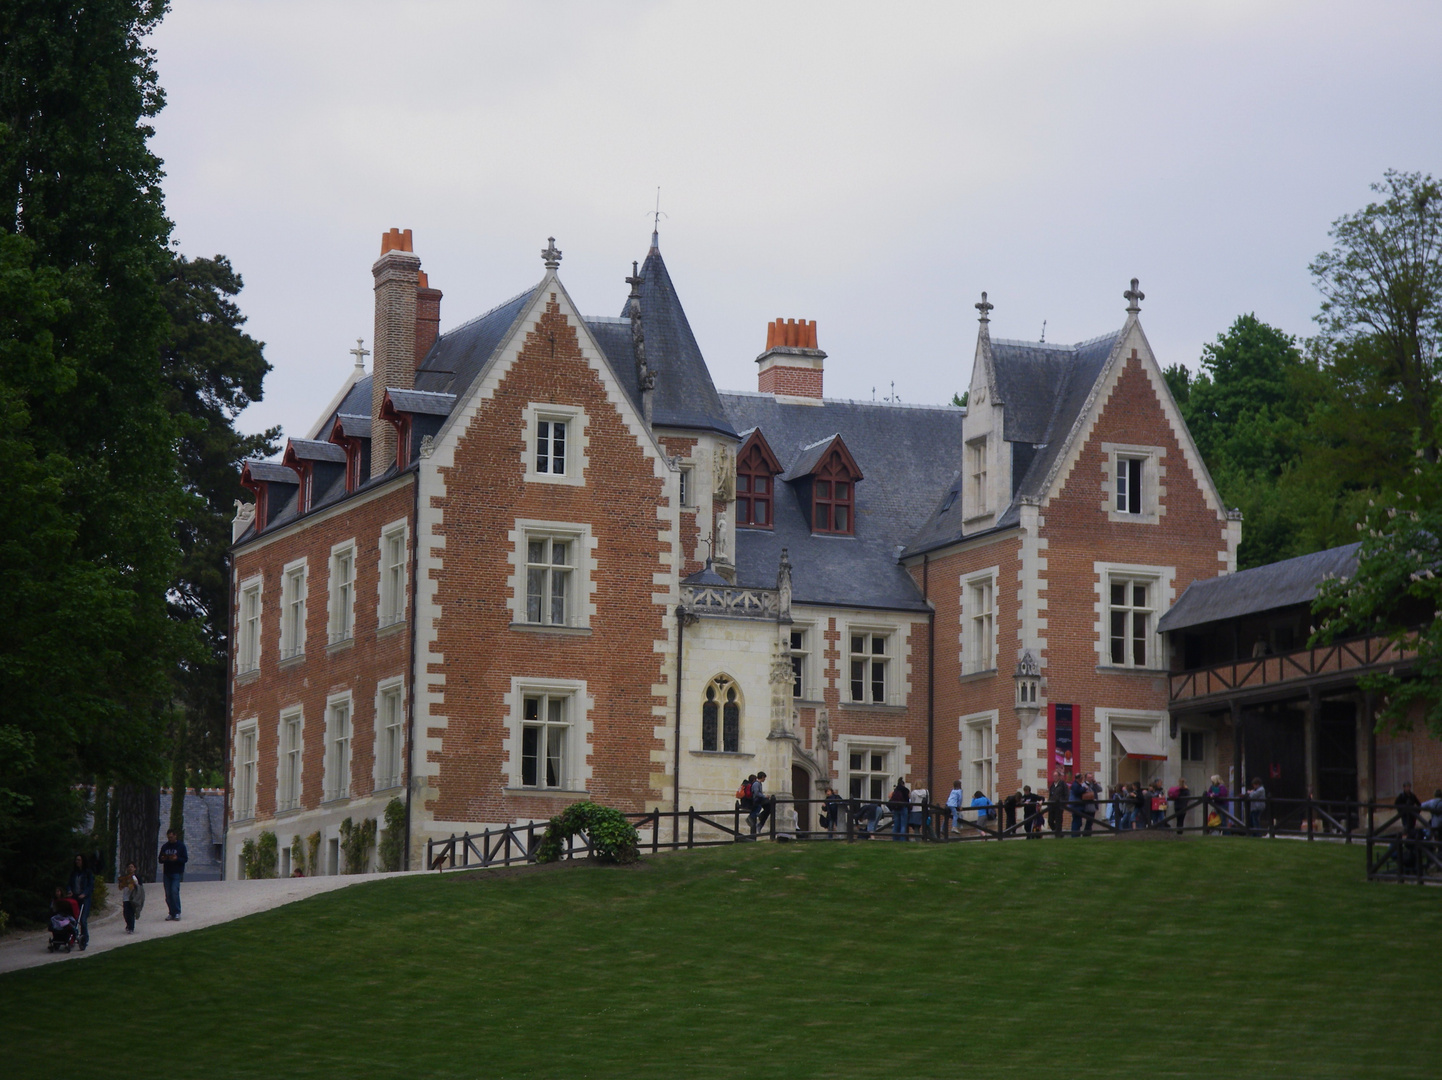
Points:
x=551 y=254
x=360 y=352
x=783 y=588
x=984 y=307
x=1134 y=298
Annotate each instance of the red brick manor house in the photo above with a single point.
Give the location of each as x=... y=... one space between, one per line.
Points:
x=539 y=558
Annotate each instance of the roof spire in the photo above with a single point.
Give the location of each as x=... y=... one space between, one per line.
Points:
x=984 y=307
x=1134 y=298
x=551 y=254
x=656 y=216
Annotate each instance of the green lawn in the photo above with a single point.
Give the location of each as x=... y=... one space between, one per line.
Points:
x=1210 y=958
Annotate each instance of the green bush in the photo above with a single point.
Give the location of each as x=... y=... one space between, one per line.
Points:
x=297 y=853
x=392 y=843
x=259 y=856
x=613 y=838
x=312 y=853
x=247 y=858
x=356 y=842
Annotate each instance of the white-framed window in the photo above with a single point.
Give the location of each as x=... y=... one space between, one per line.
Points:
x=870 y=666
x=556 y=443
x=292 y=609
x=979 y=755
x=342 y=592
x=247 y=646
x=390 y=736
x=246 y=747
x=979 y=615
x=545 y=739
x=1134 y=475
x=800 y=652
x=976 y=470
x=337 y=748
x=1131 y=610
x=685 y=483
x=868 y=772
x=292 y=748
x=550 y=579
x=393 y=574
x=721 y=716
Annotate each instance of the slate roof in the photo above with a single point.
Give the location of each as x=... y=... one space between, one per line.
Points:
x=1262 y=588
x=426 y=403
x=458 y=355
x=807 y=460
x=684 y=396
x=353 y=426
x=315 y=450
x=1042 y=389
x=273 y=472
x=909 y=453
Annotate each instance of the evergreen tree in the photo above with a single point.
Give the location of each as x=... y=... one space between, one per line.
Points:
x=88 y=483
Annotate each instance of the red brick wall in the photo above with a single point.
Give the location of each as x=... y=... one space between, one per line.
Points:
x=371 y=657
x=486 y=493
x=1188 y=537
x=680 y=447
x=795 y=381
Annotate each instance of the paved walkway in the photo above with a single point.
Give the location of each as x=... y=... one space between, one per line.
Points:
x=203 y=903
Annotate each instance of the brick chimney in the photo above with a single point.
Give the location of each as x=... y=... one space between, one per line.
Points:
x=791 y=365
x=428 y=317
x=397 y=276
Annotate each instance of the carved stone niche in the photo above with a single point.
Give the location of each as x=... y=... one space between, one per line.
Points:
x=1028 y=687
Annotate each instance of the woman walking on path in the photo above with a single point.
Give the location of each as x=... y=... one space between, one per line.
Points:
x=82 y=888
x=129 y=885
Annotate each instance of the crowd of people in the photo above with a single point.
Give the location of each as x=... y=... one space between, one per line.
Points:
x=71 y=905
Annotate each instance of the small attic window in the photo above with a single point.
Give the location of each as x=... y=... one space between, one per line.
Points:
x=950 y=501
x=833 y=495
x=756 y=469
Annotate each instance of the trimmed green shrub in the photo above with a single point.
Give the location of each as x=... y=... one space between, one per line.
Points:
x=267 y=855
x=392 y=843
x=247 y=858
x=297 y=853
x=613 y=838
x=312 y=853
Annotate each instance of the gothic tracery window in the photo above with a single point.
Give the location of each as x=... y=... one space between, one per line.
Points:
x=721 y=714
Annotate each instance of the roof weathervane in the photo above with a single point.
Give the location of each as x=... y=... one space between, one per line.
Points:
x=360 y=352
x=551 y=254
x=1043 y=331
x=656 y=215
x=984 y=307
x=1134 y=298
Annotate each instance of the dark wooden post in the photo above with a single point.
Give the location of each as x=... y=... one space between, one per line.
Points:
x=850 y=822
x=690 y=826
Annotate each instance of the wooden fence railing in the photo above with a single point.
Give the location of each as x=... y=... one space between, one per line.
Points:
x=1402 y=845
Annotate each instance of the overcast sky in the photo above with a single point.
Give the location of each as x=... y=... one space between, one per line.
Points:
x=870 y=166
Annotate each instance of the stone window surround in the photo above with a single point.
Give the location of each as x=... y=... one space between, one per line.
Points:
x=256 y=583
x=244 y=804
x=583 y=595
x=895 y=693
x=1152 y=721
x=1153 y=482
x=388 y=531
x=336 y=633
x=1164 y=580
x=578 y=441
x=283 y=804
x=330 y=792
x=578 y=742
x=965 y=726
x=894 y=745
x=289 y=578
x=810 y=690
x=967 y=657
x=976 y=503
x=383 y=688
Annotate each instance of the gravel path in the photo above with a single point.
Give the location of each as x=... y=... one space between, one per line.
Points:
x=203 y=903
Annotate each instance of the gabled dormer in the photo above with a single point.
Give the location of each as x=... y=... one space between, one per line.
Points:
x=415 y=414
x=352 y=434
x=271 y=484
x=317 y=464
x=824 y=478
x=985 y=479
x=756 y=472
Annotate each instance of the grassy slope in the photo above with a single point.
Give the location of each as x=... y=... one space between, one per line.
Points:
x=1044 y=959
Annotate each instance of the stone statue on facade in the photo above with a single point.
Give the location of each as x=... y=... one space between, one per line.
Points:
x=783 y=589
x=723 y=467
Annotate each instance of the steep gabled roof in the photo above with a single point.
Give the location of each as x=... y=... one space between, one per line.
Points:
x=458 y=356
x=312 y=450
x=1262 y=588
x=421 y=402
x=910 y=453
x=812 y=456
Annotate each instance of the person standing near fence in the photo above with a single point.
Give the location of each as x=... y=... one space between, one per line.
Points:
x=1405 y=803
x=900 y=806
x=920 y=802
x=1030 y=812
x=831 y=810
x=1179 y=794
x=1256 y=805
x=760 y=804
x=1057 y=797
x=954 y=802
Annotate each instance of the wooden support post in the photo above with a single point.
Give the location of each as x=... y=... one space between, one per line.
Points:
x=690 y=826
x=1314 y=708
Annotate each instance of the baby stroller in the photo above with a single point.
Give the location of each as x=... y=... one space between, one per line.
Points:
x=64 y=928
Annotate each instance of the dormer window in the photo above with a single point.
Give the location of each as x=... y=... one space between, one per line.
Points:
x=756 y=469
x=826 y=475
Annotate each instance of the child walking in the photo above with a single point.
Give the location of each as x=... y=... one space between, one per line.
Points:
x=129 y=885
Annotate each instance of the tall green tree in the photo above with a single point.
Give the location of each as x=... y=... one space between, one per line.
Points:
x=88 y=480
x=212 y=370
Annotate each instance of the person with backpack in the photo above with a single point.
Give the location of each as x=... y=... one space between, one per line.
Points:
x=744 y=802
x=760 y=804
x=900 y=806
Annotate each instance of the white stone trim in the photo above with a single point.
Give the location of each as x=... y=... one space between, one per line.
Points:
x=898 y=656
x=1150 y=720
x=345 y=506
x=583 y=601
x=256 y=581
x=989 y=718
x=383 y=688
x=332 y=623
x=1165 y=579
x=293 y=650
x=290 y=712
x=578 y=744
x=1153 y=482
x=244 y=809
x=895 y=745
x=578 y=442
x=329 y=786
x=387 y=531
x=967 y=662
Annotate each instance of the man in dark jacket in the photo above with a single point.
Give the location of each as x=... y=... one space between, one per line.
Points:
x=173 y=858
x=82 y=889
x=1056 y=799
x=900 y=806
